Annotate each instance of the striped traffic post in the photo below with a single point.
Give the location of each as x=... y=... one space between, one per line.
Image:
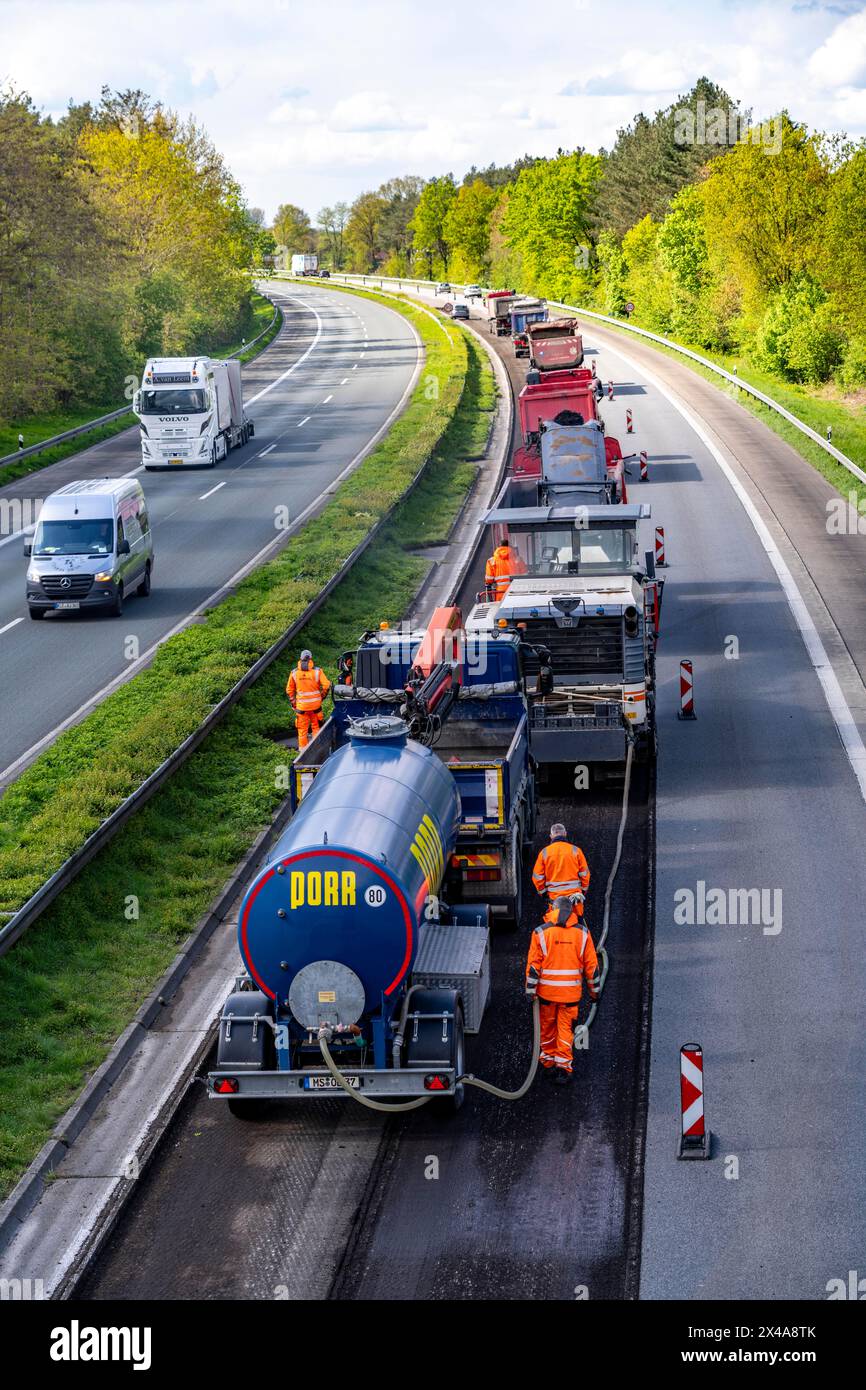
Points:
x=610 y=390
x=687 y=691
x=661 y=562
x=644 y=466
x=694 y=1135
x=629 y=427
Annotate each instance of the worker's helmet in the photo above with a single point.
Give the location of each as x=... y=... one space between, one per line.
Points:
x=557 y=831
x=563 y=908
x=306 y=654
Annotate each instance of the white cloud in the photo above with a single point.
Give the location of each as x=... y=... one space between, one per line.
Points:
x=309 y=108
x=841 y=59
x=289 y=113
x=366 y=111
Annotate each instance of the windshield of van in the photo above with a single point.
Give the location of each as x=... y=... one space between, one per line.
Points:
x=553 y=550
x=77 y=536
x=173 y=401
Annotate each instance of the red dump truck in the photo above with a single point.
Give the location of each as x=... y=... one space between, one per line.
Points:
x=556 y=345
x=499 y=304
x=545 y=397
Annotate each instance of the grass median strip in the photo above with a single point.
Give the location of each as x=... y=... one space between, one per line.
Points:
x=74 y=981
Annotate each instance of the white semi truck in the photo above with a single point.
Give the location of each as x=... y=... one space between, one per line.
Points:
x=305 y=265
x=191 y=412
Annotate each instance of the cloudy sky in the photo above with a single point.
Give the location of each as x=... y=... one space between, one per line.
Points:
x=313 y=102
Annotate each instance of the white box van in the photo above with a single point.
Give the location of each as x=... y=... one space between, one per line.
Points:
x=92 y=547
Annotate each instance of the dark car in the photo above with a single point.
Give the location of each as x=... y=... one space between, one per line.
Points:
x=324 y=274
x=460 y=311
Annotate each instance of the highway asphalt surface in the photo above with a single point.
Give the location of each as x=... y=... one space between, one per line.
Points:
x=580 y=1193
x=318 y=394
x=325 y=1201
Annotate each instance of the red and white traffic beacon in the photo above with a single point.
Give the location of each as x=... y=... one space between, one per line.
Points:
x=695 y=1139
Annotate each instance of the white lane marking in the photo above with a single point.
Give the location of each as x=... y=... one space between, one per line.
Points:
x=343 y=382
x=14 y=623
x=302 y=422
x=23 y=759
x=354 y=366
x=294 y=367
x=328 y=398
x=846 y=726
x=267 y=450
x=206 y=495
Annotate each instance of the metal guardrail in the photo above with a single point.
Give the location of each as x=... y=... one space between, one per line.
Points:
x=79 y=430
x=730 y=377
x=28 y=913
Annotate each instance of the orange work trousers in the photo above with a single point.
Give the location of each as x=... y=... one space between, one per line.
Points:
x=308 y=725
x=557 y=1033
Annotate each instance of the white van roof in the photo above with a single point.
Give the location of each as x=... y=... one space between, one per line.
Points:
x=92 y=497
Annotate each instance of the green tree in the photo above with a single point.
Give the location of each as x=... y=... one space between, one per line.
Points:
x=428 y=224
x=653 y=158
x=293 y=229
x=764 y=212
x=332 y=222
x=362 y=231
x=547 y=220
x=466 y=229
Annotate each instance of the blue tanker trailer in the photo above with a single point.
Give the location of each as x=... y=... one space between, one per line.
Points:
x=343 y=929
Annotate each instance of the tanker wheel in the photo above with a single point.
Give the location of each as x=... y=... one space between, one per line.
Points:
x=449 y=1105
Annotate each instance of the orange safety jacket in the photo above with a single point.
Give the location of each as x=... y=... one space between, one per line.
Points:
x=307 y=689
x=563 y=957
x=502 y=565
x=560 y=870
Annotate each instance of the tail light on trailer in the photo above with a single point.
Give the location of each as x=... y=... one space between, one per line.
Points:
x=226 y=1086
x=437 y=1081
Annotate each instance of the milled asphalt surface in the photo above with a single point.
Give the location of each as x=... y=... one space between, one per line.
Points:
x=309 y=427
x=543 y=1198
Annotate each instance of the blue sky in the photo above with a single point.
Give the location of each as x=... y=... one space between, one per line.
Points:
x=310 y=102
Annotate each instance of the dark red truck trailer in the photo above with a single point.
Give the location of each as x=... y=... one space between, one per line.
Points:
x=556 y=345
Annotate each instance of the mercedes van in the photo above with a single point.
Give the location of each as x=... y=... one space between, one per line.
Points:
x=92 y=547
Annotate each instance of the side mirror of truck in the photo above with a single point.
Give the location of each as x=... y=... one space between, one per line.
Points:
x=123 y=548
x=136 y=403
x=28 y=549
x=650 y=558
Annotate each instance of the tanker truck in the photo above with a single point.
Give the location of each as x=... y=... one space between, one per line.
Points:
x=343 y=935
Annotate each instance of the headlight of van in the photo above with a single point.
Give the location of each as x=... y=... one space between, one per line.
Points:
x=33 y=576
x=103 y=577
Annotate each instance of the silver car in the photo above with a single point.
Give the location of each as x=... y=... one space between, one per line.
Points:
x=92 y=547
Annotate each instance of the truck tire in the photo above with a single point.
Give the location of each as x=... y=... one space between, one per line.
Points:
x=37 y=613
x=513 y=877
x=427 y=1049
x=117 y=606
x=238 y=1049
x=144 y=587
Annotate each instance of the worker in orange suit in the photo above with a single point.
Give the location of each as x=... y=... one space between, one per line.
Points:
x=503 y=564
x=307 y=687
x=561 y=870
x=561 y=956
